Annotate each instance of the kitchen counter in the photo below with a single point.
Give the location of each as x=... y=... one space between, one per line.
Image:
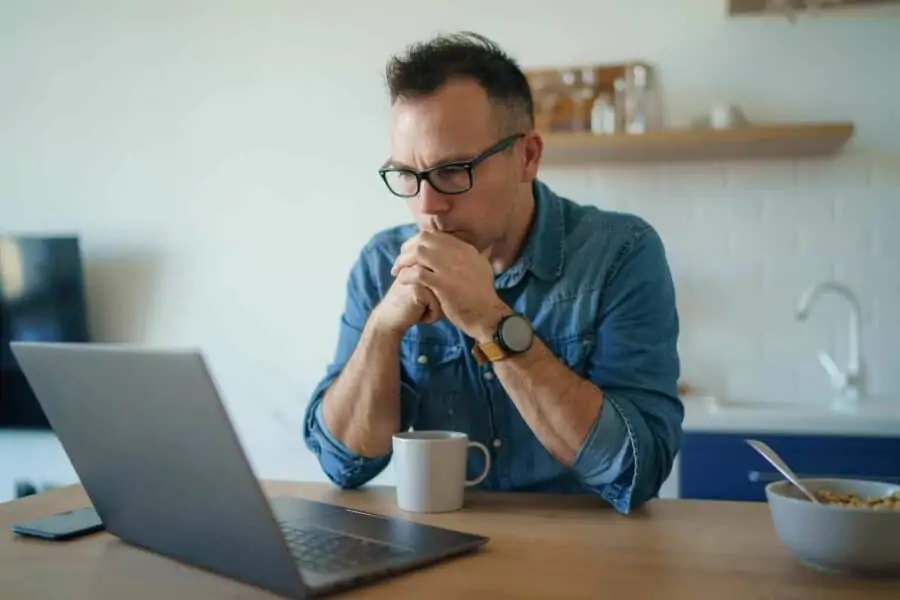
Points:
x=872 y=418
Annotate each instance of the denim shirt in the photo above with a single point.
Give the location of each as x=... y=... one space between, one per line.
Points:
x=597 y=289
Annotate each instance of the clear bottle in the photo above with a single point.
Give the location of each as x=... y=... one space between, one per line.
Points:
x=636 y=114
x=604 y=118
x=620 y=101
x=642 y=113
x=584 y=95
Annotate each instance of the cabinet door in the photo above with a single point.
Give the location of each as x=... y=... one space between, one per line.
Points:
x=721 y=466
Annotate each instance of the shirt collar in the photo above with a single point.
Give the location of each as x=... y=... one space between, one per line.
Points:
x=542 y=253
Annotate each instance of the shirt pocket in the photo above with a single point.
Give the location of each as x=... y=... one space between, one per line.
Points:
x=436 y=371
x=574 y=351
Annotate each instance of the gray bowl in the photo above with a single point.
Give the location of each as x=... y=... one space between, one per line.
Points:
x=848 y=540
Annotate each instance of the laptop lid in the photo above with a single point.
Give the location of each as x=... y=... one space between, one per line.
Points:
x=154 y=449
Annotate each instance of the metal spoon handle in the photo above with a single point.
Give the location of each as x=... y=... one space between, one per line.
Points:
x=771 y=456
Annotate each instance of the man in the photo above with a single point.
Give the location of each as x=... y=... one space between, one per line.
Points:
x=545 y=329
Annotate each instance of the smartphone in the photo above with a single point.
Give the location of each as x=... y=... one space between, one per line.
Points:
x=62 y=526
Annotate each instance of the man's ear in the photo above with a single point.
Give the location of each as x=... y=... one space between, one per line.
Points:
x=534 y=148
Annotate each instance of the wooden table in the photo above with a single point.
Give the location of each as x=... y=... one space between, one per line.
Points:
x=541 y=546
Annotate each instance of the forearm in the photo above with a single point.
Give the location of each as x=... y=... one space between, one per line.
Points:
x=559 y=406
x=362 y=407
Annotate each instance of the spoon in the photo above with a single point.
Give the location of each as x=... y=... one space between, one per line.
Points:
x=779 y=464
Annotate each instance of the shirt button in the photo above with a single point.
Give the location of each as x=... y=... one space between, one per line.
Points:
x=488 y=375
x=497 y=443
x=422 y=359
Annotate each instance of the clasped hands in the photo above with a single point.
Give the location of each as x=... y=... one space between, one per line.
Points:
x=459 y=277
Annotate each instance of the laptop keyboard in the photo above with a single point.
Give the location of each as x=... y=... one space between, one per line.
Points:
x=327 y=551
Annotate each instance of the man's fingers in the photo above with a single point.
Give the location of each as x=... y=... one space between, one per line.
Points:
x=432 y=249
x=410 y=242
x=401 y=263
x=407 y=275
x=417 y=254
x=416 y=275
x=424 y=297
x=433 y=311
x=404 y=259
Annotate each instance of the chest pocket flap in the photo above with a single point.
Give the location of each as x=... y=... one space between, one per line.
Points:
x=436 y=370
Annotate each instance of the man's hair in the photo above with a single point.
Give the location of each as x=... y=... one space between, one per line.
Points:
x=426 y=66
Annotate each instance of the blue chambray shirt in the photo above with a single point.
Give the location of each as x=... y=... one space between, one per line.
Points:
x=597 y=288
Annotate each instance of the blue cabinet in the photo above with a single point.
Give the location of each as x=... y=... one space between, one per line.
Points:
x=721 y=466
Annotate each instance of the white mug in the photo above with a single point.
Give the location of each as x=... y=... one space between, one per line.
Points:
x=430 y=468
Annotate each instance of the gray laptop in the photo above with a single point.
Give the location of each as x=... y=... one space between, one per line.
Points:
x=152 y=444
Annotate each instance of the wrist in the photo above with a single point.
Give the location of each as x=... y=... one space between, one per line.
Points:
x=486 y=326
x=382 y=331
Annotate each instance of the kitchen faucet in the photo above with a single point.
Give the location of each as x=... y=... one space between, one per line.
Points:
x=850 y=384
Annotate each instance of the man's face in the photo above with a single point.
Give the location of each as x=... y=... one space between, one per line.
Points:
x=457 y=123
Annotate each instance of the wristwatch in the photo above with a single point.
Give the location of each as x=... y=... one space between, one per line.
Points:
x=514 y=335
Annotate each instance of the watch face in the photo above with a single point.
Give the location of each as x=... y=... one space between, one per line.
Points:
x=516 y=334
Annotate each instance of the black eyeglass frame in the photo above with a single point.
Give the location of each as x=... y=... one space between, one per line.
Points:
x=467 y=165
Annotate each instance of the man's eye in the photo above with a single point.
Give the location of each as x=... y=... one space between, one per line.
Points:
x=451 y=173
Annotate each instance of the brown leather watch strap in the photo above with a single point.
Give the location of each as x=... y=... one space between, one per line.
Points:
x=489 y=351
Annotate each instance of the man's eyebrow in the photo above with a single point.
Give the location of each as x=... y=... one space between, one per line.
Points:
x=447 y=160
x=391 y=163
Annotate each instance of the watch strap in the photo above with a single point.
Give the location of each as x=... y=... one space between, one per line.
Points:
x=489 y=351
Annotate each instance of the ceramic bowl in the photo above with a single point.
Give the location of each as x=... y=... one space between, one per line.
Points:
x=840 y=539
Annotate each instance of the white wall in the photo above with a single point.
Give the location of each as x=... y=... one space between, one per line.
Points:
x=218 y=159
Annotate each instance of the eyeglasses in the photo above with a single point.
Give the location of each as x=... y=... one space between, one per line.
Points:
x=448 y=178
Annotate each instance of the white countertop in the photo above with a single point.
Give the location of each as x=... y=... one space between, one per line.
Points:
x=872 y=418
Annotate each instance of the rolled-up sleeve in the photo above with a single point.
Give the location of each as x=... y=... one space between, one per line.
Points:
x=341 y=465
x=629 y=451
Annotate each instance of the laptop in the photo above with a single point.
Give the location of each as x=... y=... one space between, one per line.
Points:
x=151 y=442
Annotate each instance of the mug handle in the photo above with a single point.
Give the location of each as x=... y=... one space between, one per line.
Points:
x=487 y=464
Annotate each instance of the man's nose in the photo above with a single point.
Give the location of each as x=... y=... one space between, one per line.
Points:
x=431 y=201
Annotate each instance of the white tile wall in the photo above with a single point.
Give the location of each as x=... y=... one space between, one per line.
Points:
x=745 y=239
x=219 y=162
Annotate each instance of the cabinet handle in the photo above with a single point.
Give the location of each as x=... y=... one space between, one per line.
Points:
x=769 y=476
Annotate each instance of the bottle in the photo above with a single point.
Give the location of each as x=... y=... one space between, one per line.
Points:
x=546 y=99
x=642 y=112
x=637 y=114
x=620 y=100
x=564 y=107
x=584 y=94
x=603 y=115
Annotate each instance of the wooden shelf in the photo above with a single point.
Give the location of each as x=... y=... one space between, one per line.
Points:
x=757 y=7
x=754 y=141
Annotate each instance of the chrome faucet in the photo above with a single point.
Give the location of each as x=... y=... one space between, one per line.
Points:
x=849 y=384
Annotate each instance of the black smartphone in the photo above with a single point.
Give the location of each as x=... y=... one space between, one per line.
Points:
x=62 y=526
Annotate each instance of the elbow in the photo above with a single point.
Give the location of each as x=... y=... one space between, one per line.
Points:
x=644 y=460
x=632 y=487
x=345 y=471
x=346 y=479
x=341 y=466
x=659 y=444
